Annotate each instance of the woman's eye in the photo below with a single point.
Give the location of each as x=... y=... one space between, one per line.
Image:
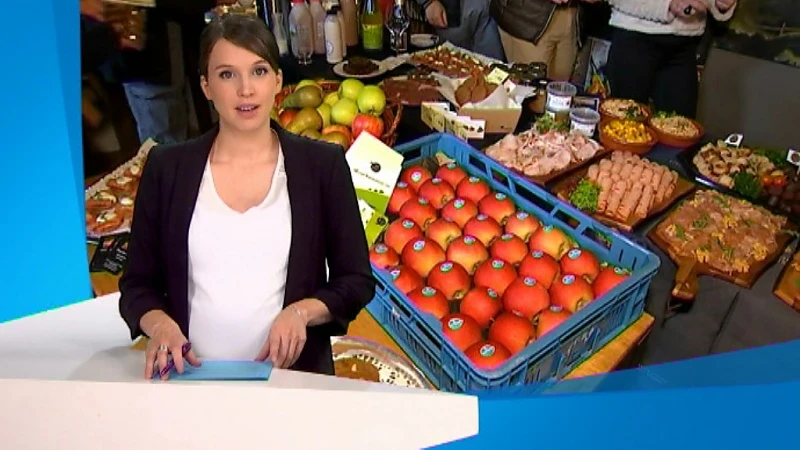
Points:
x=260 y=71
x=225 y=74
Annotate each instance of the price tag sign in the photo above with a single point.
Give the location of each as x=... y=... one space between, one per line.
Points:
x=793 y=157
x=497 y=76
x=734 y=140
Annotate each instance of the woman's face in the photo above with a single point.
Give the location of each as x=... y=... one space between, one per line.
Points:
x=242 y=86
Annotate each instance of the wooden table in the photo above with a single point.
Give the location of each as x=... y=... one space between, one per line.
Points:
x=365 y=326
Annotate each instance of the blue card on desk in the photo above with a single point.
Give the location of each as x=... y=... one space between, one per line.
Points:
x=224 y=371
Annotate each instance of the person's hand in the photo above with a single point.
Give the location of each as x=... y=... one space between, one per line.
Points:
x=93 y=9
x=435 y=14
x=724 y=5
x=560 y=2
x=166 y=339
x=286 y=338
x=679 y=7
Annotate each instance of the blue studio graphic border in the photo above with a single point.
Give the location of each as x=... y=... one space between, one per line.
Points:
x=746 y=399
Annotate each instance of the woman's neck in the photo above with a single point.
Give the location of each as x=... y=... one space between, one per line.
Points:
x=235 y=146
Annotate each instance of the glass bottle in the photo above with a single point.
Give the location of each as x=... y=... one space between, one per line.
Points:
x=372 y=26
x=301 y=32
x=398 y=23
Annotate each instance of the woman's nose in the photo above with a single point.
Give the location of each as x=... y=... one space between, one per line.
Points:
x=246 y=87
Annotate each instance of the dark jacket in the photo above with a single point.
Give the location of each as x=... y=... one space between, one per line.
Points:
x=525 y=19
x=153 y=64
x=326 y=224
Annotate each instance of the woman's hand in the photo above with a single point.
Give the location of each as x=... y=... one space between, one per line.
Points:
x=166 y=339
x=435 y=14
x=286 y=338
x=724 y=5
x=679 y=7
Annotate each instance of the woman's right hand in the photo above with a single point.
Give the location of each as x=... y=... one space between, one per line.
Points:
x=166 y=339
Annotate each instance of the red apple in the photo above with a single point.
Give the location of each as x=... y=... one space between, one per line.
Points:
x=540 y=266
x=571 y=292
x=402 y=193
x=522 y=224
x=550 y=240
x=443 y=231
x=399 y=232
x=450 y=279
x=430 y=300
x=473 y=188
x=484 y=228
x=460 y=211
x=581 y=263
x=405 y=279
x=369 y=123
x=383 y=256
x=462 y=330
x=496 y=274
x=482 y=304
x=286 y=116
x=420 y=211
x=509 y=248
x=452 y=173
x=549 y=319
x=437 y=191
x=512 y=332
x=526 y=298
x=422 y=255
x=498 y=206
x=468 y=252
x=487 y=355
x=414 y=176
x=608 y=278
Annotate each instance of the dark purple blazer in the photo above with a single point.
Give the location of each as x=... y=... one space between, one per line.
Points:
x=326 y=224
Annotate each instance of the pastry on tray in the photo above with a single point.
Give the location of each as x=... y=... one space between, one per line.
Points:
x=134 y=171
x=123 y=184
x=104 y=199
x=125 y=204
x=357 y=369
x=105 y=221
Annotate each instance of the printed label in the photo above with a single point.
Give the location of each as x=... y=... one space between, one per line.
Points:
x=522 y=215
x=381 y=249
x=529 y=281
x=474 y=179
x=451 y=165
x=498 y=264
x=469 y=240
x=547 y=228
x=455 y=323
x=492 y=293
x=574 y=253
x=416 y=176
x=568 y=279
x=419 y=245
x=408 y=224
x=558 y=103
x=459 y=203
x=500 y=196
x=583 y=128
x=428 y=291
x=538 y=254
x=487 y=350
x=482 y=217
x=446 y=267
x=402 y=184
x=620 y=271
x=507 y=237
x=436 y=180
x=395 y=274
x=372 y=36
x=423 y=201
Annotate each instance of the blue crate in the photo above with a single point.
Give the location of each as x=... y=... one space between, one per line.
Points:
x=558 y=352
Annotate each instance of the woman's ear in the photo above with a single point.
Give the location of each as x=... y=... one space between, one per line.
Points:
x=278 y=81
x=204 y=87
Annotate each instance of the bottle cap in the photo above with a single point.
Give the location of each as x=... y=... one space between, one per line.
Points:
x=333 y=10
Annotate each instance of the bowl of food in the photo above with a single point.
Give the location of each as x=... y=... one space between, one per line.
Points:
x=620 y=108
x=627 y=135
x=675 y=130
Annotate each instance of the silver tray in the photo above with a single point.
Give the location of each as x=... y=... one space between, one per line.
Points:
x=393 y=368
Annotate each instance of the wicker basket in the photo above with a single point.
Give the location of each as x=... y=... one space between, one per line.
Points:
x=391 y=115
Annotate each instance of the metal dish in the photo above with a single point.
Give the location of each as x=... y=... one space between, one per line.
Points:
x=393 y=368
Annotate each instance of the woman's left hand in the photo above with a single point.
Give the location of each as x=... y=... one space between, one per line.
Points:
x=724 y=5
x=286 y=338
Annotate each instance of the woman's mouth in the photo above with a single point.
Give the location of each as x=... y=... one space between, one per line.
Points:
x=246 y=108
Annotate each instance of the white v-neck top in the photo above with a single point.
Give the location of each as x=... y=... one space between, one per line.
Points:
x=237 y=270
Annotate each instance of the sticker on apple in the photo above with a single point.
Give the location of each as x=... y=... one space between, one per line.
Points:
x=419 y=245
x=469 y=240
x=455 y=323
x=408 y=224
x=529 y=281
x=428 y=291
x=395 y=273
x=568 y=279
x=459 y=203
x=487 y=350
x=498 y=264
x=538 y=254
x=574 y=253
x=446 y=267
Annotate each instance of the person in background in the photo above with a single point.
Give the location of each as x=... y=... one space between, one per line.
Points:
x=654 y=50
x=477 y=31
x=540 y=31
x=232 y=231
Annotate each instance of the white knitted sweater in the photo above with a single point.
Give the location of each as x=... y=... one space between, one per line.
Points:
x=654 y=17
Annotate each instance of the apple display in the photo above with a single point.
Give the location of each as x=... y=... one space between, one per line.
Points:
x=420 y=211
x=549 y=319
x=495 y=274
x=484 y=228
x=405 y=279
x=581 y=263
x=608 y=278
x=522 y=224
x=383 y=256
x=482 y=304
x=571 y=292
x=512 y=332
x=550 y=240
x=431 y=301
x=452 y=173
x=473 y=188
x=437 y=191
x=526 y=298
x=461 y=330
x=509 y=248
x=498 y=206
x=414 y=176
x=468 y=252
x=487 y=355
x=540 y=266
x=443 y=231
x=400 y=194
x=344 y=112
x=400 y=232
x=371 y=100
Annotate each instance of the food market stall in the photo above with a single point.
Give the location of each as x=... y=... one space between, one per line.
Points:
x=634 y=177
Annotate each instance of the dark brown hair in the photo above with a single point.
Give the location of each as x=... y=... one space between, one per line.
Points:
x=241 y=30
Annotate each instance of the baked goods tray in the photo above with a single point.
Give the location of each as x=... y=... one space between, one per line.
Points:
x=485 y=61
x=103 y=184
x=564 y=187
x=690 y=268
x=391 y=367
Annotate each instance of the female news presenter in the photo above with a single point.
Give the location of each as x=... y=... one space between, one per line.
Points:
x=232 y=230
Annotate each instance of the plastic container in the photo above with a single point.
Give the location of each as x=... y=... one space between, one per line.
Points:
x=584 y=120
x=333 y=37
x=301 y=31
x=558 y=352
x=318 y=15
x=559 y=98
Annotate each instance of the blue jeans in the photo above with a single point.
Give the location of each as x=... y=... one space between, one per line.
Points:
x=161 y=112
x=478 y=31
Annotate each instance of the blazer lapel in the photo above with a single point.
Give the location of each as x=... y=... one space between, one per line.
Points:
x=300 y=194
x=187 y=187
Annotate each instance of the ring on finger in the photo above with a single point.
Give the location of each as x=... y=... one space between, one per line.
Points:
x=163 y=348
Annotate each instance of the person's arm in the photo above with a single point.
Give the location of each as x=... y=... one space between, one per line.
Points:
x=143 y=286
x=655 y=10
x=351 y=285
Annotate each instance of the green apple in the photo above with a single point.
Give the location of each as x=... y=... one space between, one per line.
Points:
x=324 y=111
x=350 y=88
x=331 y=98
x=371 y=100
x=344 y=111
x=307 y=82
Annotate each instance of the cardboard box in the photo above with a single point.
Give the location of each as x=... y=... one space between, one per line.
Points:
x=500 y=112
